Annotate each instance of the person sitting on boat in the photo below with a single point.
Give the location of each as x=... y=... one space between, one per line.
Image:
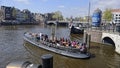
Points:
x=52 y=40
x=42 y=37
x=83 y=48
x=73 y=44
x=46 y=37
x=55 y=40
x=77 y=45
x=33 y=35
x=62 y=41
x=69 y=42
x=37 y=37
x=40 y=34
x=66 y=42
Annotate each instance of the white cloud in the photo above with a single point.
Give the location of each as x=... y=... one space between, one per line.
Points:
x=103 y=4
x=23 y=1
x=61 y=6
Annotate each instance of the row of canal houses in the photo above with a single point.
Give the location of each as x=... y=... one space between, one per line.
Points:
x=12 y=15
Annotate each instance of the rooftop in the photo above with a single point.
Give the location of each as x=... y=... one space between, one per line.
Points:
x=115 y=10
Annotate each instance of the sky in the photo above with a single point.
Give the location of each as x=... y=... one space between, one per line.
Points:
x=75 y=8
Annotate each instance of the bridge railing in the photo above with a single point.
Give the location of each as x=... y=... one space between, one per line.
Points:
x=107 y=28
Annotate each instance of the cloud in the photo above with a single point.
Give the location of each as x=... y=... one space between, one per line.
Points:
x=61 y=6
x=103 y=4
x=23 y=1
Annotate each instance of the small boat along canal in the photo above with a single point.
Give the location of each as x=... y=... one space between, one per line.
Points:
x=13 y=48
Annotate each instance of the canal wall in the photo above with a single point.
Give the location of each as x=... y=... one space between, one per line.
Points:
x=95 y=35
x=98 y=37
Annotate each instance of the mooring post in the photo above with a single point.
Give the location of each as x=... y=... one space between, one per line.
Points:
x=88 y=40
x=85 y=37
x=47 y=61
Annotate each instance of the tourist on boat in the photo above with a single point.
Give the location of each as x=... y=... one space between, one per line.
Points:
x=37 y=37
x=33 y=35
x=69 y=42
x=62 y=41
x=46 y=37
x=42 y=37
x=66 y=42
x=40 y=34
x=54 y=40
x=74 y=44
x=77 y=45
x=83 y=48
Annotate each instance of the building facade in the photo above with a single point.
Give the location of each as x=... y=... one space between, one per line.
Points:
x=38 y=17
x=11 y=15
x=20 y=16
x=115 y=15
x=8 y=13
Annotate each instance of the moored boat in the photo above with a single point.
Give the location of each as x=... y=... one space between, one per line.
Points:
x=76 y=28
x=68 y=51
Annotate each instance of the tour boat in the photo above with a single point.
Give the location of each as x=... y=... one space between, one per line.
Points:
x=59 y=49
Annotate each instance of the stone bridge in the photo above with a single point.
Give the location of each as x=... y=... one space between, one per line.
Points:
x=108 y=37
x=112 y=38
x=65 y=23
x=51 y=22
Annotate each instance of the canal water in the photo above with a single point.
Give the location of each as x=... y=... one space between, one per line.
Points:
x=14 y=48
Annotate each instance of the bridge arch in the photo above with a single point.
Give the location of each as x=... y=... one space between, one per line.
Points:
x=108 y=40
x=51 y=22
